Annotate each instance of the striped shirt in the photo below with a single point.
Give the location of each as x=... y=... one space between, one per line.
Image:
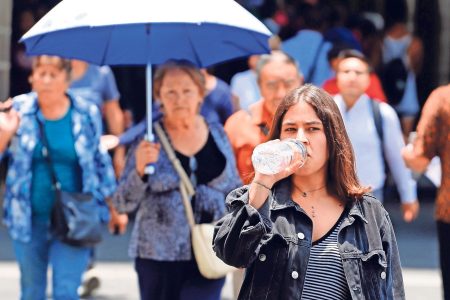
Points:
x=325 y=278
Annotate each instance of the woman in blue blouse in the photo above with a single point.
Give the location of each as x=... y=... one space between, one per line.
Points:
x=160 y=242
x=73 y=128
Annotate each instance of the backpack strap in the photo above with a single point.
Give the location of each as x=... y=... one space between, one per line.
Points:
x=377 y=119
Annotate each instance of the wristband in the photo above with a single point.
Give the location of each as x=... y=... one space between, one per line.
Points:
x=262 y=184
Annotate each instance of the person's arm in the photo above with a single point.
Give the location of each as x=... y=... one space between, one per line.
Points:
x=238 y=235
x=394 y=278
x=118 y=221
x=9 y=122
x=414 y=160
x=393 y=144
x=113 y=115
x=415 y=55
x=115 y=122
x=418 y=156
x=132 y=188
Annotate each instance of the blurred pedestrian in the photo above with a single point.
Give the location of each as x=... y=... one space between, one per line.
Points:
x=374 y=90
x=160 y=242
x=309 y=47
x=402 y=59
x=98 y=85
x=73 y=128
x=311 y=232
x=218 y=103
x=433 y=139
x=277 y=74
x=244 y=85
x=375 y=132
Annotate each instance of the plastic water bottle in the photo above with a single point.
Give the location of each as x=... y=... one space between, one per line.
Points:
x=274 y=156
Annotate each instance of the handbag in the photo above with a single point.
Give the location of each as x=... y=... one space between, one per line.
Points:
x=75 y=218
x=209 y=265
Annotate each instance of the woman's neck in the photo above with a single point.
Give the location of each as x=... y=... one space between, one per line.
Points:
x=311 y=186
x=182 y=124
x=53 y=107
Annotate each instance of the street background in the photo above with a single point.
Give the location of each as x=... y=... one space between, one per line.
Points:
x=417 y=244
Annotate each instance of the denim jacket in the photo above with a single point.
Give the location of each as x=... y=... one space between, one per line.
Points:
x=161 y=231
x=97 y=172
x=274 y=244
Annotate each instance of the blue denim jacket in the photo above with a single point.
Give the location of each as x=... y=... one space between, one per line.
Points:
x=274 y=243
x=161 y=231
x=97 y=172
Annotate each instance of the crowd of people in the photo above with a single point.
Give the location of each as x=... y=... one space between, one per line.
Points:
x=327 y=83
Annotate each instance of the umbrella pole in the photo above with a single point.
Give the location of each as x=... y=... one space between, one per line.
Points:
x=150 y=169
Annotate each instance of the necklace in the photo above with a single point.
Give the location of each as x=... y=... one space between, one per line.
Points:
x=313 y=211
x=305 y=193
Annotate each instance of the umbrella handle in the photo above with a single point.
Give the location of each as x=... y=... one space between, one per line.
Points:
x=150 y=168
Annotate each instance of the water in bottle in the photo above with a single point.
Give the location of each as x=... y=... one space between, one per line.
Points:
x=274 y=156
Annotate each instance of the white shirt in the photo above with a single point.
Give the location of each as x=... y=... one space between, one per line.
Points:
x=360 y=125
x=244 y=85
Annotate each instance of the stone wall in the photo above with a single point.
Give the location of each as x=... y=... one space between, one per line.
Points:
x=5 y=40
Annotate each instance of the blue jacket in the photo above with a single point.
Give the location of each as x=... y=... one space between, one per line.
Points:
x=95 y=163
x=274 y=243
x=161 y=231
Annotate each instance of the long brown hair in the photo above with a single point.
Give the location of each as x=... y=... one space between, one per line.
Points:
x=341 y=172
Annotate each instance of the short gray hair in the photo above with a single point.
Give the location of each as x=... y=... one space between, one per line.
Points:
x=276 y=55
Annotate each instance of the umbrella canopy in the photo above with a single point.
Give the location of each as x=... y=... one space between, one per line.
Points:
x=146 y=32
x=139 y=32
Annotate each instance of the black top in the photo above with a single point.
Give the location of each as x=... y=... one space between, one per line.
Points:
x=206 y=164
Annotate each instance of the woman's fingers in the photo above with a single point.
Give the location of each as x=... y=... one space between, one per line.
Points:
x=6 y=105
x=146 y=153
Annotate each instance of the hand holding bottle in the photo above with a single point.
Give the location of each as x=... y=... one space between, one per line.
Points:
x=275 y=156
x=273 y=161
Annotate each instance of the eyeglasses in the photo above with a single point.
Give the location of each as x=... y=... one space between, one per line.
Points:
x=274 y=85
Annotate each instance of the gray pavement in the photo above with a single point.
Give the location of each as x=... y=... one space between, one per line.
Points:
x=417 y=244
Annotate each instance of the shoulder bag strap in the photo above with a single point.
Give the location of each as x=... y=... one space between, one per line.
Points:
x=46 y=154
x=186 y=188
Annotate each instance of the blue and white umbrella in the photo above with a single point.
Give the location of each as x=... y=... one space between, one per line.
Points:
x=146 y=32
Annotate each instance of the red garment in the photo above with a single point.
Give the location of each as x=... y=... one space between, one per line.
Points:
x=244 y=132
x=374 y=91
